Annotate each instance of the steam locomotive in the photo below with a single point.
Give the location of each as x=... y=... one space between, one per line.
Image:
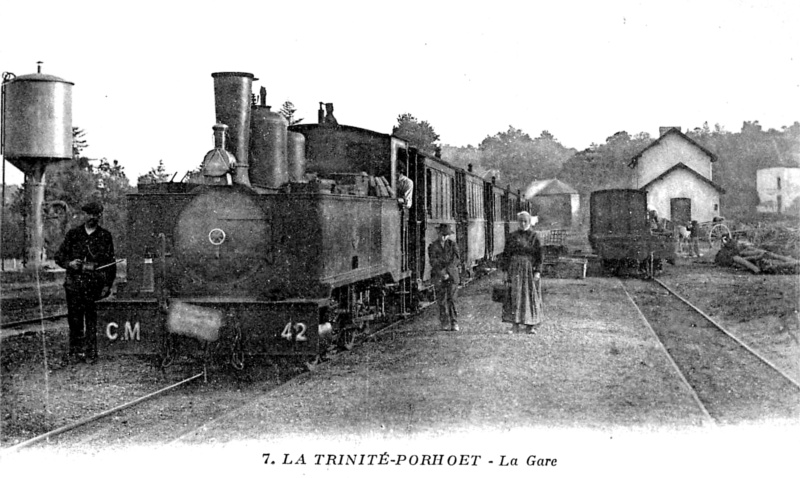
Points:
x=294 y=242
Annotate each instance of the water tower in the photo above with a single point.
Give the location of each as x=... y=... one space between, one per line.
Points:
x=37 y=131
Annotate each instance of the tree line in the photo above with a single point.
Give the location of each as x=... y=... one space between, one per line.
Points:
x=69 y=185
x=515 y=159
x=512 y=157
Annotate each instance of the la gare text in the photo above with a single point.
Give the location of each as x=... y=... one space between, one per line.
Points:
x=386 y=459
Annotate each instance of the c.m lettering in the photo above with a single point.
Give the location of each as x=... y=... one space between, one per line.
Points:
x=130 y=332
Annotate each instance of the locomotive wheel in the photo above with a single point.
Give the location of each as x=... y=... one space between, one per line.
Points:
x=312 y=364
x=347 y=339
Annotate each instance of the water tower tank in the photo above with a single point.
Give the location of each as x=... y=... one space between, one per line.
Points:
x=37 y=124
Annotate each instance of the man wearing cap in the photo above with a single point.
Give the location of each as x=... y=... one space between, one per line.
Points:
x=443 y=254
x=87 y=254
x=405 y=187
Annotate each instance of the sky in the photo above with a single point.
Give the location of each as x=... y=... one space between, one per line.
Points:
x=582 y=70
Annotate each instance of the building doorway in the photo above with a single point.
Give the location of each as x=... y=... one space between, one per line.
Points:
x=680 y=210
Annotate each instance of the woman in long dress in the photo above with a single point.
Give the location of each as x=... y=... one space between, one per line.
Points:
x=524 y=256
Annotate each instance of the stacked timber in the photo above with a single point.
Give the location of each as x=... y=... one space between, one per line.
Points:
x=755 y=259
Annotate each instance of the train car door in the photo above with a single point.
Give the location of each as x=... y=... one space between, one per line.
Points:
x=507 y=213
x=488 y=213
x=416 y=239
x=460 y=214
x=680 y=210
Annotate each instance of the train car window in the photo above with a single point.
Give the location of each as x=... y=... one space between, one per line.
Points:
x=468 y=197
x=445 y=195
x=436 y=190
x=437 y=179
x=475 y=200
x=429 y=192
x=439 y=195
x=471 y=200
x=452 y=196
x=479 y=200
x=477 y=206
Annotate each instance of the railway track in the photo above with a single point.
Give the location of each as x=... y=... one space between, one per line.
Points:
x=21 y=323
x=732 y=382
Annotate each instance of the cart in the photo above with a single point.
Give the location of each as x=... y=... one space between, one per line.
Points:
x=714 y=231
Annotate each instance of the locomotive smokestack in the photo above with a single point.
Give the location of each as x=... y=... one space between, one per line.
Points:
x=232 y=98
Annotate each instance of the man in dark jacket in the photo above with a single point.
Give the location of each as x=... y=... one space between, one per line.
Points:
x=87 y=254
x=443 y=254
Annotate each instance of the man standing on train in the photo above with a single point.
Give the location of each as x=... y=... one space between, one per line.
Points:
x=87 y=254
x=404 y=191
x=405 y=187
x=443 y=254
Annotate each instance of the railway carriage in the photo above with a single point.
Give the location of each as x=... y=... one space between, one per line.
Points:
x=620 y=232
x=498 y=214
x=436 y=205
x=472 y=218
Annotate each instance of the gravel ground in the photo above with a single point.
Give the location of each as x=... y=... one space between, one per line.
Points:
x=593 y=387
x=596 y=366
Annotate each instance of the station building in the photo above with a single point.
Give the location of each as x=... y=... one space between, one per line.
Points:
x=676 y=172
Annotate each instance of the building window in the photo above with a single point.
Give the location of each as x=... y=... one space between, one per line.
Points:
x=779 y=183
x=716 y=207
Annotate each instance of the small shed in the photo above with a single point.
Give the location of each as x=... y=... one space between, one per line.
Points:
x=556 y=203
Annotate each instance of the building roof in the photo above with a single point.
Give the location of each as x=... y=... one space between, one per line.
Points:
x=683 y=166
x=777 y=166
x=548 y=187
x=635 y=159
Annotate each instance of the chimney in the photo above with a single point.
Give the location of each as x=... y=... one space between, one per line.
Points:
x=663 y=130
x=233 y=103
x=321 y=113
